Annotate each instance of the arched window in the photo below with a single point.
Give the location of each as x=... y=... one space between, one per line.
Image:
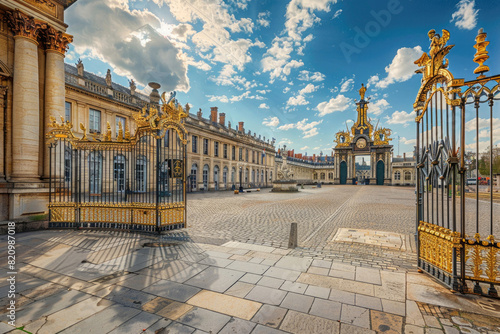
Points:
x=270 y=175
x=119 y=172
x=141 y=173
x=322 y=176
x=95 y=173
x=407 y=176
x=194 y=176
x=397 y=175
x=233 y=175
x=224 y=176
x=262 y=177
x=315 y=176
x=206 y=170
x=330 y=176
x=216 y=177
x=246 y=176
x=253 y=176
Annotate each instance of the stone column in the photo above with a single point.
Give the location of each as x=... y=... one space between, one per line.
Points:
x=25 y=108
x=56 y=44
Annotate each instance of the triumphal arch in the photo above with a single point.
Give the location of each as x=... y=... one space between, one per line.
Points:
x=363 y=140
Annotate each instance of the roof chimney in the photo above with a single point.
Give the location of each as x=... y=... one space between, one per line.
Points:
x=213 y=114
x=240 y=127
x=222 y=119
x=404 y=156
x=154 y=97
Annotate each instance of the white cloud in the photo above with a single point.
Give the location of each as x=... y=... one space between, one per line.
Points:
x=408 y=141
x=304 y=148
x=308 y=76
x=222 y=98
x=378 y=107
x=286 y=90
x=263 y=19
x=337 y=14
x=308 y=129
x=300 y=99
x=111 y=32
x=338 y=103
x=346 y=85
x=299 y=16
x=401 y=69
x=465 y=16
x=401 y=117
x=264 y=106
x=271 y=121
x=214 y=41
x=285 y=141
x=228 y=77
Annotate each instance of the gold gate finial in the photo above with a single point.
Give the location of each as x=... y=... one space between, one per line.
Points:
x=481 y=55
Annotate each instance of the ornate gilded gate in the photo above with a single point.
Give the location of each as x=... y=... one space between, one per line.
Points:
x=134 y=182
x=457 y=218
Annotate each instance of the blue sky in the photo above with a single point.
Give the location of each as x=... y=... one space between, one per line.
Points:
x=290 y=69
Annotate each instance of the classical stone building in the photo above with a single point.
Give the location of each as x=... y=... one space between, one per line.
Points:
x=309 y=170
x=403 y=171
x=215 y=151
x=33 y=43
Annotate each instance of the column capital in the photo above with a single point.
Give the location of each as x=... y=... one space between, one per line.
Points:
x=56 y=40
x=24 y=25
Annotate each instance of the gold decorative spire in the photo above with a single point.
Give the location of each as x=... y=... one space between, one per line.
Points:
x=481 y=55
x=362 y=92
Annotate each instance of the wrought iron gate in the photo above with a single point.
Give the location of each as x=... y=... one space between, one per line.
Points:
x=128 y=182
x=455 y=124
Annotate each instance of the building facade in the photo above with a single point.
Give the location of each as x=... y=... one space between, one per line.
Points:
x=404 y=171
x=33 y=43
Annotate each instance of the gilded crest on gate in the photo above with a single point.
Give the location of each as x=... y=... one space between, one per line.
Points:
x=432 y=63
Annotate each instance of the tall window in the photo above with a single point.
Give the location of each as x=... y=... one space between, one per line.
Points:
x=225 y=151
x=397 y=176
x=141 y=173
x=119 y=172
x=262 y=176
x=246 y=155
x=67 y=164
x=67 y=111
x=233 y=153
x=216 y=177
x=194 y=140
x=120 y=120
x=224 y=176
x=253 y=176
x=216 y=148
x=253 y=156
x=262 y=158
x=233 y=175
x=205 y=146
x=194 y=172
x=205 y=177
x=407 y=176
x=94 y=120
x=95 y=172
x=164 y=174
x=322 y=176
x=330 y=176
x=241 y=154
x=166 y=139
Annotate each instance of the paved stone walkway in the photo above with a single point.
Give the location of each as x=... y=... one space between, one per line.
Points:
x=117 y=282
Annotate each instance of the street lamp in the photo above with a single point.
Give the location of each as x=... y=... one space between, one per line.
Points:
x=241 y=186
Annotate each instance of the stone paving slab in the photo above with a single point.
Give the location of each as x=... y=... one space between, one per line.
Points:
x=216 y=279
x=200 y=293
x=372 y=237
x=172 y=290
x=233 y=306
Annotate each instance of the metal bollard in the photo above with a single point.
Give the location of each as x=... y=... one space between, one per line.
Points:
x=292 y=243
